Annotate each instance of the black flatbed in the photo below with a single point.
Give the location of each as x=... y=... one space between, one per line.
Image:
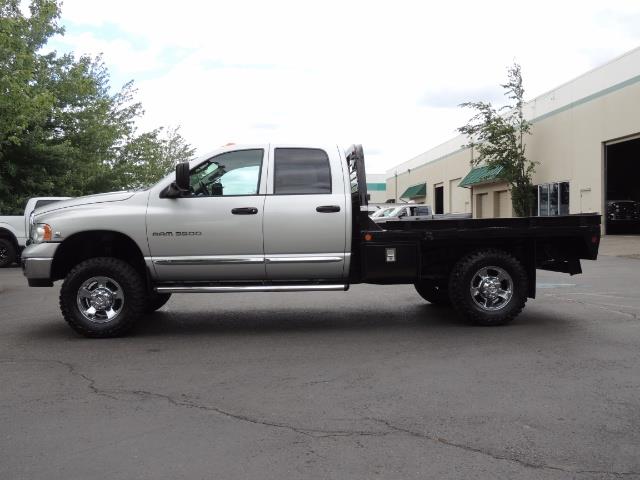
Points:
x=413 y=251
x=585 y=227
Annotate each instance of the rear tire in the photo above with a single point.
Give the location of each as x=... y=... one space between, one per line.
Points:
x=433 y=293
x=156 y=301
x=8 y=253
x=102 y=297
x=488 y=287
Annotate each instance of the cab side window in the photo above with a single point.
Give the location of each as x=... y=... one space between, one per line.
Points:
x=231 y=173
x=300 y=171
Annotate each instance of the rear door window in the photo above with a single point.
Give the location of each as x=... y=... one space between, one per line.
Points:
x=300 y=171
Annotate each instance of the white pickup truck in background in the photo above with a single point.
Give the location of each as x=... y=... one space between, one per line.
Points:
x=413 y=211
x=14 y=230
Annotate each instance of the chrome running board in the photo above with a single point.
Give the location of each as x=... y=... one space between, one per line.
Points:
x=251 y=288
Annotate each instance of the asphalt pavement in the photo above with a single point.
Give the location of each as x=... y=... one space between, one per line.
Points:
x=371 y=383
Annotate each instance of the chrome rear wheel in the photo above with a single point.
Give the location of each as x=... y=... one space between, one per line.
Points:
x=491 y=288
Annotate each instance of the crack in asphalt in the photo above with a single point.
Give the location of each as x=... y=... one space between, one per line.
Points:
x=497 y=456
x=111 y=394
x=602 y=306
x=390 y=428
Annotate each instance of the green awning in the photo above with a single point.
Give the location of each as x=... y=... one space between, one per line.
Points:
x=481 y=175
x=419 y=190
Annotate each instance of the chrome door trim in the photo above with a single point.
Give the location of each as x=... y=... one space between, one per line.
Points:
x=208 y=260
x=330 y=258
x=252 y=288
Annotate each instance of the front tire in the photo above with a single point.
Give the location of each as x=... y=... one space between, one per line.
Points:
x=102 y=297
x=8 y=253
x=488 y=287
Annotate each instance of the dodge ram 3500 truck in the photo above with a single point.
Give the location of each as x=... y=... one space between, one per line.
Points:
x=282 y=218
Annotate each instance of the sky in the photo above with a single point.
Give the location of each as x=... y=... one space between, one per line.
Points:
x=389 y=75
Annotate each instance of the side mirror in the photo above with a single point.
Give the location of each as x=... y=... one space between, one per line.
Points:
x=182 y=176
x=179 y=188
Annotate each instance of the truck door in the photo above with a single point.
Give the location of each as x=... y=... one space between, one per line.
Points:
x=215 y=233
x=305 y=214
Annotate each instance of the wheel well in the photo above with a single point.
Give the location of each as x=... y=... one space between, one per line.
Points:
x=101 y=243
x=7 y=234
x=438 y=262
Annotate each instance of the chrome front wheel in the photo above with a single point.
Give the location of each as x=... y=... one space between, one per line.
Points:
x=100 y=299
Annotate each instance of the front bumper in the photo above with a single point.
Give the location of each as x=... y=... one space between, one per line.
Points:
x=36 y=264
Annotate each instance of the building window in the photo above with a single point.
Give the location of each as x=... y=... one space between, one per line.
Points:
x=553 y=199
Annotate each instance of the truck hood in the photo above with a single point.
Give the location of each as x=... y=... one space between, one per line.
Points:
x=86 y=200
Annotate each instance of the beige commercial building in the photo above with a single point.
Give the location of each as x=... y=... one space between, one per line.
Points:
x=585 y=138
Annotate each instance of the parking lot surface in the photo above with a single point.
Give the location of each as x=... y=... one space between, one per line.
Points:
x=372 y=383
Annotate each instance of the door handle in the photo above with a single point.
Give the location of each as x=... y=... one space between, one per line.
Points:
x=328 y=208
x=244 y=211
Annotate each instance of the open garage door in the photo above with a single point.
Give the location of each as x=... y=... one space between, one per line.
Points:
x=622 y=195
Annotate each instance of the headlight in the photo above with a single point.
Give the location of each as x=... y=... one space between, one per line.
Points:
x=32 y=224
x=41 y=232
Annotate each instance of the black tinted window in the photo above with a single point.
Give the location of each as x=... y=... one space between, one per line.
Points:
x=301 y=170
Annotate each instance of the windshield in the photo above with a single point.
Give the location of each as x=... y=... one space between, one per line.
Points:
x=395 y=212
x=383 y=212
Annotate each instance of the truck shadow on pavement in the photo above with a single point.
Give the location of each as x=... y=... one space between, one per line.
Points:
x=423 y=319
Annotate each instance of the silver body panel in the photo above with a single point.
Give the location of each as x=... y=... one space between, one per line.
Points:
x=293 y=228
x=286 y=240
x=125 y=214
x=236 y=240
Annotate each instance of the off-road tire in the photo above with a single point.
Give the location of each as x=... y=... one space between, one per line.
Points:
x=433 y=293
x=134 y=297
x=462 y=276
x=156 y=301
x=9 y=253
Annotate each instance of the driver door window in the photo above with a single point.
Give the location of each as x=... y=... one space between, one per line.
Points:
x=229 y=174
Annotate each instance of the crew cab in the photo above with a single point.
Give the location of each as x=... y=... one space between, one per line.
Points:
x=14 y=230
x=280 y=218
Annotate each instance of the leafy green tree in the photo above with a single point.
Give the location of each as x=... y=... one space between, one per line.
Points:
x=497 y=135
x=148 y=157
x=62 y=130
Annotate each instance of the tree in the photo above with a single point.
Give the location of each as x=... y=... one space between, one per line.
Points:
x=497 y=135
x=63 y=132
x=148 y=157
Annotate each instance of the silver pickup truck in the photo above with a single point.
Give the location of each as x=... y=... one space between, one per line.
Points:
x=274 y=218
